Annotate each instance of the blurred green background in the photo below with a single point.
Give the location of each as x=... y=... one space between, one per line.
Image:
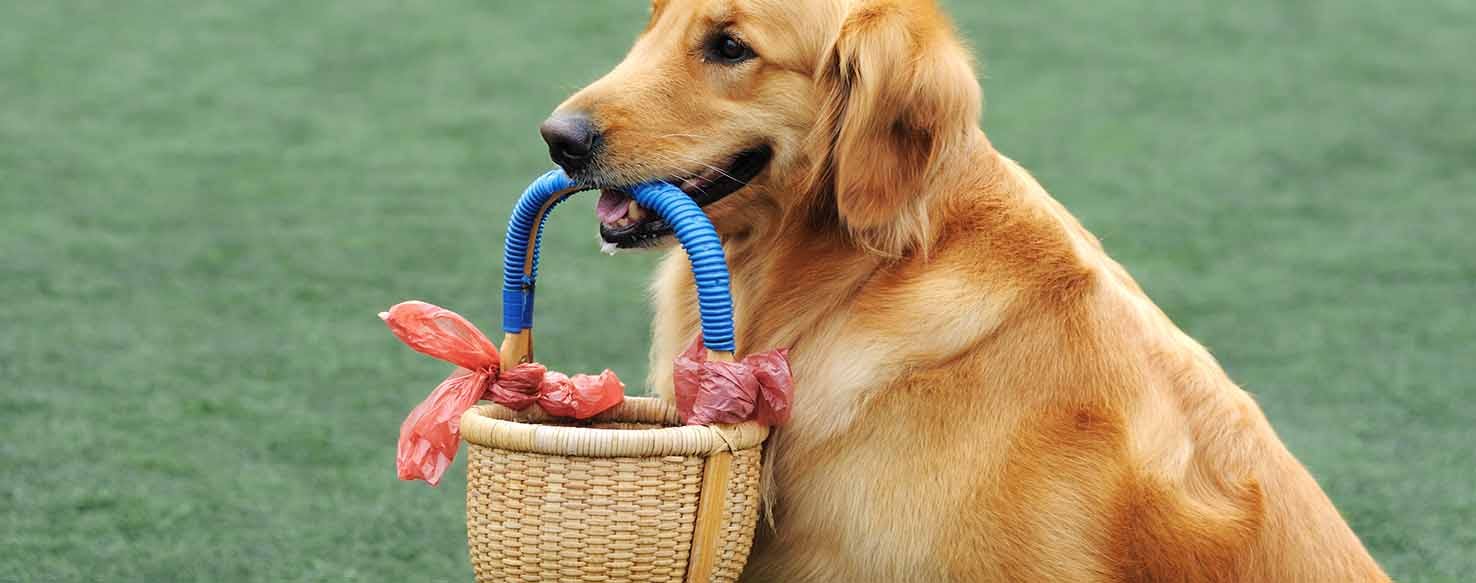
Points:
x=204 y=203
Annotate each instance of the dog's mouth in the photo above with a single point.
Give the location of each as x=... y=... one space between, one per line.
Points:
x=624 y=224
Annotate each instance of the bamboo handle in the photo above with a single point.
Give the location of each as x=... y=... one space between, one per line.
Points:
x=709 y=523
x=517 y=349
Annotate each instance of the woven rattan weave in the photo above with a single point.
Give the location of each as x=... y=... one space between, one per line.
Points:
x=627 y=496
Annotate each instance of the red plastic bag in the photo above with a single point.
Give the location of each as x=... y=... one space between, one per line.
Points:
x=443 y=334
x=582 y=396
x=686 y=375
x=431 y=433
x=758 y=387
x=518 y=388
x=776 y=386
x=727 y=394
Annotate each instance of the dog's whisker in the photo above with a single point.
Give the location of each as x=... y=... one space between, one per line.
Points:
x=693 y=136
x=720 y=171
x=676 y=159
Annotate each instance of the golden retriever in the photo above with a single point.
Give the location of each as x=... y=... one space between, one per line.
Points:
x=982 y=393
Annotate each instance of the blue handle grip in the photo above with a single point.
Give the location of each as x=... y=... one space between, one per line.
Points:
x=693 y=230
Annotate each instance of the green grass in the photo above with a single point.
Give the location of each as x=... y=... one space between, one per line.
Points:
x=203 y=204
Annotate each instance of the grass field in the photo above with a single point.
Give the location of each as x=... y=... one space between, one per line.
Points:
x=204 y=203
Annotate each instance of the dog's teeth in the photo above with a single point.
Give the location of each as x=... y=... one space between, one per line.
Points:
x=634 y=212
x=609 y=248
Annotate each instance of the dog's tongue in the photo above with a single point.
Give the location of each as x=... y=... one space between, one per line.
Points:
x=613 y=206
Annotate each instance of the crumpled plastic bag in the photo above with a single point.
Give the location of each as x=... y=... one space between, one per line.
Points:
x=582 y=396
x=517 y=388
x=431 y=434
x=759 y=387
x=776 y=386
x=443 y=334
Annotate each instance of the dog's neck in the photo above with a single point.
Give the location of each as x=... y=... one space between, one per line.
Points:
x=857 y=320
x=805 y=275
x=808 y=268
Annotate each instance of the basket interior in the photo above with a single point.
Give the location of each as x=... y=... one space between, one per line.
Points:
x=635 y=413
x=597 y=424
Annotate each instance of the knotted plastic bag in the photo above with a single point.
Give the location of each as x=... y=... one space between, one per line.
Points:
x=518 y=388
x=431 y=433
x=582 y=396
x=759 y=387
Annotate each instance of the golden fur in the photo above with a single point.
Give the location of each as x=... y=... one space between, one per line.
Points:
x=982 y=393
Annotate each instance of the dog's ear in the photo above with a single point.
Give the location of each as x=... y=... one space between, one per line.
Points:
x=899 y=93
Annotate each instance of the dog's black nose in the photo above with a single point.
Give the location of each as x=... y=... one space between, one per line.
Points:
x=571 y=140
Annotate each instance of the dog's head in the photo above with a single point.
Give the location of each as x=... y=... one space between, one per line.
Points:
x=830 y=111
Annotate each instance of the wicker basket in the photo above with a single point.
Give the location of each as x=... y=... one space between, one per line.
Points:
x=630 y=495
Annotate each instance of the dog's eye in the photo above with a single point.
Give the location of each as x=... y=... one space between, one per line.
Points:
x=726 y=49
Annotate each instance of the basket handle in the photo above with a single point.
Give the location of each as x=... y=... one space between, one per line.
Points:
x=693 y=230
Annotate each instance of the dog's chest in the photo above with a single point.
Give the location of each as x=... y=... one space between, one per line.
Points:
x=878 y=491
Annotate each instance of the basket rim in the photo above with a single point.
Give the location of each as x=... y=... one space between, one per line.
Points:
x=492 y=425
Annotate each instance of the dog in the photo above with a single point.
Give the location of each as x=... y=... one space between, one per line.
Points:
x=982 y=394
